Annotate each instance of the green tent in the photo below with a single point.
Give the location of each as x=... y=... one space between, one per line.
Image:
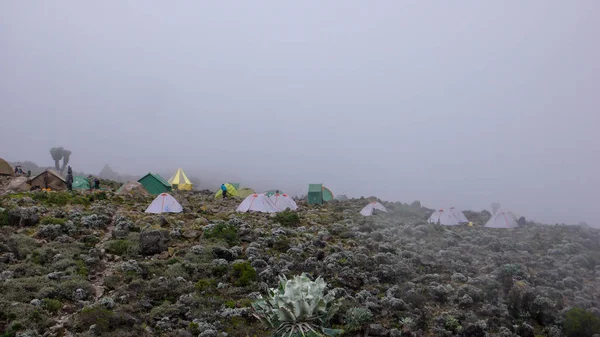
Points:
x=236 y=185
x=272 y=192
x=81 y=183
x=327 y=194
x=315 y=194
x=155 y=184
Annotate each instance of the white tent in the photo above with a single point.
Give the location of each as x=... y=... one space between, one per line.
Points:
x=283 y=201
x=501 y=219
x=458 y=214
x=445 y=218
x=164 y=203
x=258 y=203
x=368 y=210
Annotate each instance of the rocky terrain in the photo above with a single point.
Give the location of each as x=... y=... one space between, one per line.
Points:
x=94 y=264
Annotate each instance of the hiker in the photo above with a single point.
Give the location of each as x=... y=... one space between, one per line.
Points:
x=70 y=182
x=28 y=173
x=522 y=222
x=69 y=171
x=16 y=169
x=224 y=190
x=96 y=183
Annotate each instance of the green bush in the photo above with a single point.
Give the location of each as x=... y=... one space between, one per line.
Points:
x=99 y=316
x=4 y=218
x=357 y=318
x=51 y=305
x=224 y=232
x=287 y=218
x=244 y=274
x=581 y=323
x=118 y=247
x=205 y=284
x=53 y=221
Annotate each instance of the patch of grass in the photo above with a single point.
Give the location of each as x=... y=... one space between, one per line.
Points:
x=172 y=261
x=224 y=232
x=229 y=304
x=287 y=218
x=118 y=247
x=81 y=268
x=244 y=274
x=51 y=305
x=53 y=221
x=581 y=323
x=4 y=219
x=205 y=284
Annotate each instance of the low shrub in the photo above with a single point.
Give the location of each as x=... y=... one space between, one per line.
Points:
x=581 y=323
x=4 y=219
x=205 y=284
x=118 y=247
x=53 y=221
x=224 y=232
x=51 y=305
x=357 y=318
x=95 y=315
x=287 y=218
x=244 y=274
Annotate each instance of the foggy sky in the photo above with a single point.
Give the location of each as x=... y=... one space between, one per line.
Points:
x=451 y=103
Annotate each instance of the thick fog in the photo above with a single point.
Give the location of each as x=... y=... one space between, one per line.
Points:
x=451 y=103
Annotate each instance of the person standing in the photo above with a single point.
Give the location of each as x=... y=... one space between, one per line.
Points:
x=224 y=190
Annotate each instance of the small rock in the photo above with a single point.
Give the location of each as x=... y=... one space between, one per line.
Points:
x=377 y=330
x=35 y=302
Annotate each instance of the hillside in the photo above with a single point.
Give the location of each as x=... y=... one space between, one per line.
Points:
x=94 y=264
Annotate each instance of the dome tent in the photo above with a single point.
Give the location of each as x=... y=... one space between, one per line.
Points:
x=181 y=180
x=133 y=187
x=257 y=203
x=371 y=207
x=5 y=168
x=443 y=217
x=283 y=202
x=81 y=183
x=502 y=219
x=164 y=203
x=244 y=192
x=231 y=191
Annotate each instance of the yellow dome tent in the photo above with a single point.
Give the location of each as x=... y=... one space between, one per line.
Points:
x=245 y=192
x=181 y=180
x=231 y=192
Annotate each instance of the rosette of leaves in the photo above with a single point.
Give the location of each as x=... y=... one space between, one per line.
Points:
x=298 y=307
x=357 y=318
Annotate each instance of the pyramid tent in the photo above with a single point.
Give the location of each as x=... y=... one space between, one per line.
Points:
x=164 y=203
x=231 y=191
x=244 y=192
x=283 y=202
x=132 y=187
x=444 y=217
x=5 y=168
x=371 y=207
x=257 y=203
x=458 y=214
x=81 y=183
x=155 y=184
x=501 y=219
x=18 y=184
x=181 y=180
x=49 y=179
x=327 y=194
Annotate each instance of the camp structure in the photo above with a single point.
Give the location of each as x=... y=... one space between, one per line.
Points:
x=49 y=179
x=180 y=181
x=317 y=194
x=231 y=191
x=272 y=192
x=133 y=188
x=155 y=184
x=444 y=217
x=81 y=183
x=244 y=192
x=371 y=207
x=235 y=185
x=5 y=168
x=164 y=203
x=502 y=219
x=18 y=184
x=257 y=203
x=458 y=214
x=283 y=202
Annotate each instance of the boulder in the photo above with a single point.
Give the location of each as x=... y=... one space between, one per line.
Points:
x=153 y=242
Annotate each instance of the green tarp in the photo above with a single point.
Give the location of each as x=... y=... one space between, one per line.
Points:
x=327 y=194
x=81 y=183
x=315 y=194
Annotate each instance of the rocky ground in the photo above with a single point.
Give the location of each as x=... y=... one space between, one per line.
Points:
x=93 y=264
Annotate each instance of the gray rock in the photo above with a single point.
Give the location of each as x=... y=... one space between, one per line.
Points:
x=80 y=294
x=224 y=253
x=6 y=275
x=36 y=302
x=378 y=330
x=107 y=302
x=153 y=242
x=208 y=333
x=23 y=216
x=197 y=249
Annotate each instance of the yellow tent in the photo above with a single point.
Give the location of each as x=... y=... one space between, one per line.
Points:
x=245 y=192
x=231 y=192
x=181 y=180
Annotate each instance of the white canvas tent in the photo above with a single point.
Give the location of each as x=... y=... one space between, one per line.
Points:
x=257 y=203
x=502 y=219
x=283 y=201
x=18 y=184
x=458 y=214
x=443 y=217
x=371 y=207
x=164 y=203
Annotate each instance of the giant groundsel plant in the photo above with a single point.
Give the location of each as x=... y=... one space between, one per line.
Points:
x=298 y=307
